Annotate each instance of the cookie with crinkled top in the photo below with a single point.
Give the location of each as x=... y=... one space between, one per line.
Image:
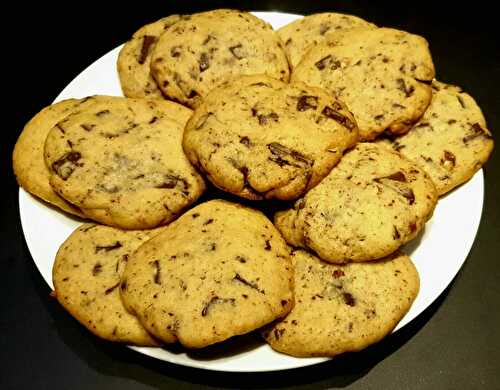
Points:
x=381 y=74
x=120 y=160
x=258 y=137
x=343 y=308
x=203 y=50
x=301 y=34
x=27 y=158
x=134 y=60
x=371 y=203
x=86 y=276
x=451 y=141
x=218 y=271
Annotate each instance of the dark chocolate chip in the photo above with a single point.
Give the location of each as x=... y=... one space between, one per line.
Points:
x=214 y=301
x=237 y=51
x=107 y=248
x=461 y=101
x=331 y=113
x=448 y=157
x=65 y=165
x=156 y=278
x=147 y=41
x=408 y=91
x=175 y=51
x=245 y=141
x=307 y=102
x=268 y=245
x=97 y=269
x=110 y=289
x=395 y=234
x=338 y=273
x=204 y=62
x=253 y=285
x=330 y=61
x=348 y=299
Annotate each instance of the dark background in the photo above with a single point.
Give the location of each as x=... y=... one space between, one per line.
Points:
x=454 y=344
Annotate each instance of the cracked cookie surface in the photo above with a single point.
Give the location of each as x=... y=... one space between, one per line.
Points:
x=369 y=205
x=343 y=308
x=134 y=60
x=218 y=271
x=258 y=137
x=86 y=276
x=203 y=50
x=451 y=141
x=121 y=161
x=300 y=35
x=381 y=74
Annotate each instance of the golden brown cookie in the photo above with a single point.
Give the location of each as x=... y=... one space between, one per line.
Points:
x=258 y=137
x=218 y=271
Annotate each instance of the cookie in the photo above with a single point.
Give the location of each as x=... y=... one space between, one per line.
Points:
x=27 y=159
x=369 y=205
x=258 y=137
x=451 y=141
x=301 y=34
x=381 y=74
x=121 y=162
x=343 y=308
x=205 y=49
x=218 y=271
x=86 y=276
x=134 y=60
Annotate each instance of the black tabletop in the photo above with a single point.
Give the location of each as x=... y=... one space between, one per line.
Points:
x=454 y=344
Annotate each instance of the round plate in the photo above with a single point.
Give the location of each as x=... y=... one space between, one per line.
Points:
x=438 y=252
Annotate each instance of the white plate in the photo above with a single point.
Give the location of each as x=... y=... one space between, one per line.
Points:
x=438 y=253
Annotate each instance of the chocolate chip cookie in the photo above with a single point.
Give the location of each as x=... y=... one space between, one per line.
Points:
x=382 y=75
x=134 y=60
x=218 y=271
x=29 y=165
x=300 y=35
x=343 y=308
x=207 y=48
x=369 y=205
x=258 y=137
x=121 y=162
x=451 y=141
x=86 y=276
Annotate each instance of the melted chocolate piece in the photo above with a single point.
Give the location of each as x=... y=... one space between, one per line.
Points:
x=281 y=153
x=65 y=166
x=215 y=301
x=204 y=62
x=476 y=131
x=348 y=299
x=111 y=289
x=147 y=41
x=331 y=113
x=408 y=91
x=156 y=278
x=330 y=61
x=255 y=286
x=307 y=102
x=107 y=248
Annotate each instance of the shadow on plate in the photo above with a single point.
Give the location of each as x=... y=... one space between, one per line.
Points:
x=115 y=360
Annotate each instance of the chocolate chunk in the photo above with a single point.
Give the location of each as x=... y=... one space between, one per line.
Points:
x=476 y=131
x=207 y=39
x=147 y=41
x=65 y=165
x=397 y=176
x=413 y=227
x=97 y=269
x=245 y=141
x=323 y=28
x=408 y=91
x=307 y=102
x=111 y=289
x=241 y=259
x=378 y=117
x=408 y=194
x=215 y=301
x=448 y=157
x=397 y=105
x=281 y=153
x=153 y=120
x=288 y=41
x=175 y=51
x=213 y=246
x=265 y=119
x=107 y=248
x=208 y=221
x=102 y=113
x=348 y=299
x=242 y=280
x=452 y=121
x=237 y=51
x=192 y=94
x=204 y=62
x=195 y=215
x=278 y=333
x=87 y=127
x=461 y=101
x=330 y=61
x=395 y=234
x=156 y=277
x=397 y=146
x=331 y=113
x=171 y=181
x=268 y=245
x=338 y=273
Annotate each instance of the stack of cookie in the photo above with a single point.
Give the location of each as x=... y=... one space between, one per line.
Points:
x=340 y=117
